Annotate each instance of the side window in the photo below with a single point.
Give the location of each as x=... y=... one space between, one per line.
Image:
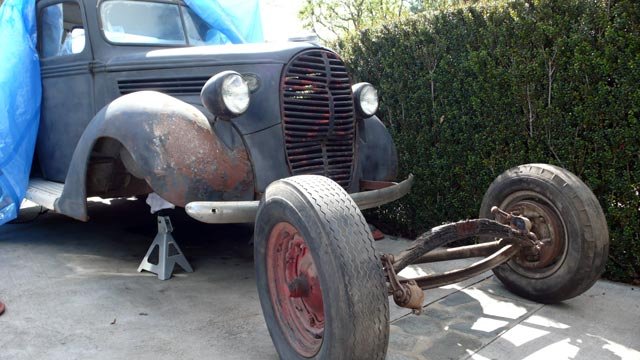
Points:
x=62 y=31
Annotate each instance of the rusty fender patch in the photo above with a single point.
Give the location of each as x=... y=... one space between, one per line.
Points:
x=196 y=162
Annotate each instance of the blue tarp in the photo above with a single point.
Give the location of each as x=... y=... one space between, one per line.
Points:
x=20 y=93
x=232 y=21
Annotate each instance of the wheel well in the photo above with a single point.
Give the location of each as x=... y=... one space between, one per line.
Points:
x=112 y=172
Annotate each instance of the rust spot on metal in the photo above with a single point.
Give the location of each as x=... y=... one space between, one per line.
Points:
x=182 y=158
x=466 y=228
x=408 y=294
x=366 y=185
x=196 y=161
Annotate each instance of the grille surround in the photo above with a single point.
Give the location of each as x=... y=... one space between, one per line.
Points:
x=318 y=114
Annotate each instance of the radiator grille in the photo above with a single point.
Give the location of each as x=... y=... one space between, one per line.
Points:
x=318 y=116
x=171 y=86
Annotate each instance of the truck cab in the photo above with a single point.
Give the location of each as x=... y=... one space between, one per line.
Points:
x=134 y=102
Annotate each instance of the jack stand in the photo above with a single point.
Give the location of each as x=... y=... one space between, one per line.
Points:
x=169 y=253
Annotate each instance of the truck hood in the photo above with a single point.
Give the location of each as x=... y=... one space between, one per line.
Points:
x=265 y=53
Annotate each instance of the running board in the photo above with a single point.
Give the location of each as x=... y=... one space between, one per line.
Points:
x=43 y=192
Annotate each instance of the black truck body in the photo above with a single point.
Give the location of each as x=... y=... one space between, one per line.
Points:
x=125 y=118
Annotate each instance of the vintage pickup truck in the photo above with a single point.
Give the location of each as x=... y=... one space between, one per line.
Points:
x=135 y=102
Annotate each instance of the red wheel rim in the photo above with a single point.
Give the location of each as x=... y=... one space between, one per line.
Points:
x=295 y=290
x=1 y=307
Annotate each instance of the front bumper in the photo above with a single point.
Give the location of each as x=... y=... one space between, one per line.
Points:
x=230 y=212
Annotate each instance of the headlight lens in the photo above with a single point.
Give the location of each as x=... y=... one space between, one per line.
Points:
x=235 y=94
x=226 y=95
x=369 y=100
x=366 y=98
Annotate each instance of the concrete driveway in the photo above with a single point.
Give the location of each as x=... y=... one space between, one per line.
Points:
x=72 y=292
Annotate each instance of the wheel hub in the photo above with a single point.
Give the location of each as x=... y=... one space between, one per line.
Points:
x=295 y=289
x=549 y=229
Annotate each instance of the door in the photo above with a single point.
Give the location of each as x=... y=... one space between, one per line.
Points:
x=67 y=84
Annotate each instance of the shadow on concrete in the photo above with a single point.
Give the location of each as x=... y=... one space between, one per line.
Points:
x=485 y=321
x=120 y=227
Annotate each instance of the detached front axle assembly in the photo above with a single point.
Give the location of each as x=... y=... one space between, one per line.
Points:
x=514 y=232
x=324 y=288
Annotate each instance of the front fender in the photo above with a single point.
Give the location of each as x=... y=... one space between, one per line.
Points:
x=173 y=147
x=377 y=155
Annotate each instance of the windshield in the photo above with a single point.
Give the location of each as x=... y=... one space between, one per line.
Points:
x=155 y=23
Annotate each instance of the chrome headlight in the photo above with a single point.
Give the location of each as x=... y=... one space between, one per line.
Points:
x=226 y=95
x=365 y=98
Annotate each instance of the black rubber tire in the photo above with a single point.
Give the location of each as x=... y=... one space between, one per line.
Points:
x=585 y=229
x=356 y=307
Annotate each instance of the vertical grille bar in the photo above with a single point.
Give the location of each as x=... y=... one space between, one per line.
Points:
x=318 y=116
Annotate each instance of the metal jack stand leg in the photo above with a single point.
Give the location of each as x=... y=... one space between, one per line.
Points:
x=169 y=253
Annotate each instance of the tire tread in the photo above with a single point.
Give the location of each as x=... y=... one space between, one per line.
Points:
x=358 y=259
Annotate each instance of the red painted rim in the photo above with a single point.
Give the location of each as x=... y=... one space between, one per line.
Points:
x=295 y=289
x=1 y=307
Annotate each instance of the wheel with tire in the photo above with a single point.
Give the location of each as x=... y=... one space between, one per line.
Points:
x=566 y=217
x=320 y=282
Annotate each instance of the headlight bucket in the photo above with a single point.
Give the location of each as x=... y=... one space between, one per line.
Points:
x=226 y=95
x=365 y=98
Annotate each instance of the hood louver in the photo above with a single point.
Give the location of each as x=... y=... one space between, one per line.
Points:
x=170 y=86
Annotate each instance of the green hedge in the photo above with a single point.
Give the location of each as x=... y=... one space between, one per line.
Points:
x=470 y=93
